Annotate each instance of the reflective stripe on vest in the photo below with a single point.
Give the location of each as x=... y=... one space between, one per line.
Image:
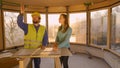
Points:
x=34 y=39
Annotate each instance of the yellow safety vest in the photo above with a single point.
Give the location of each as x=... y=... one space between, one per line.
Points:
x=34 y=39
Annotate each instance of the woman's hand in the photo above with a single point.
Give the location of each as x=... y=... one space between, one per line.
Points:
x=42 y=47
x=55 y=47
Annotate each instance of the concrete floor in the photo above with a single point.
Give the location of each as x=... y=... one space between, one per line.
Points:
x=78 y=61
x=75 y=61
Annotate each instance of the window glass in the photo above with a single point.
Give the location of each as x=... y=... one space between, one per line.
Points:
x=99 y=21
x=53 y=24
x=116 y=29
x=78 y=24
x=13 y=34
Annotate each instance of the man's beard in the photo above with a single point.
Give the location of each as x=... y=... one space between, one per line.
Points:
x=35 y=22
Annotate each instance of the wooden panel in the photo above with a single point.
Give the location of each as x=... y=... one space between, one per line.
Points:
x=103 y=4
x=47 y=52
x=24 y=63
x=27 y=8
x=57 y=62
x=11 y=7
x=35 y=8
x=77 y=8
x=52 y=3
x=8 y=62
x=65 y=52
x=1 y=30
x=56 y=9
x=109 y=29
x=36 y=53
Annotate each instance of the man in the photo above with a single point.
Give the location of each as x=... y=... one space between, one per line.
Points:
x=35 y=35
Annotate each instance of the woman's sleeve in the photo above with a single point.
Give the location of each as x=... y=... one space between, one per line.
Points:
x=57 y=40
x=66 y=40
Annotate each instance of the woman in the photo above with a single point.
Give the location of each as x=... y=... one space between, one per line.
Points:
x=63 y=36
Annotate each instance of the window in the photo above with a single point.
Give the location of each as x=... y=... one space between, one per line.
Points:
x=13 y=34
x=53 y=24
x=116 y=28
x=99 y=27
x=78 y=24
x=42 y=22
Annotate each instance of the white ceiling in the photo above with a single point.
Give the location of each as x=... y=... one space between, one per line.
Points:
x=53 y=2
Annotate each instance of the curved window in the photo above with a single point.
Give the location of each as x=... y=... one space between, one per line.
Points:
x=116 y=28
x=13 y=34
x=99 y=27
x=78 y=24
x=53 y=24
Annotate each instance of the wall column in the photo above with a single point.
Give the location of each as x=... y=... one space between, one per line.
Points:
x=46 y=18
x=47 y=21
x=67 y=12
x=1 y=28
x=88 y=25
x=109 y=28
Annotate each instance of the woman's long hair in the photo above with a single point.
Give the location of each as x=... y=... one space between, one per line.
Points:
x=66 y=24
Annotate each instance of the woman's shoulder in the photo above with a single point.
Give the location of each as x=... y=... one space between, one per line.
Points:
x=70 y=28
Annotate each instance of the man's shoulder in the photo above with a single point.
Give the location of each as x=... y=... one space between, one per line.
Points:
x=30 y=24
x=42 y=26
